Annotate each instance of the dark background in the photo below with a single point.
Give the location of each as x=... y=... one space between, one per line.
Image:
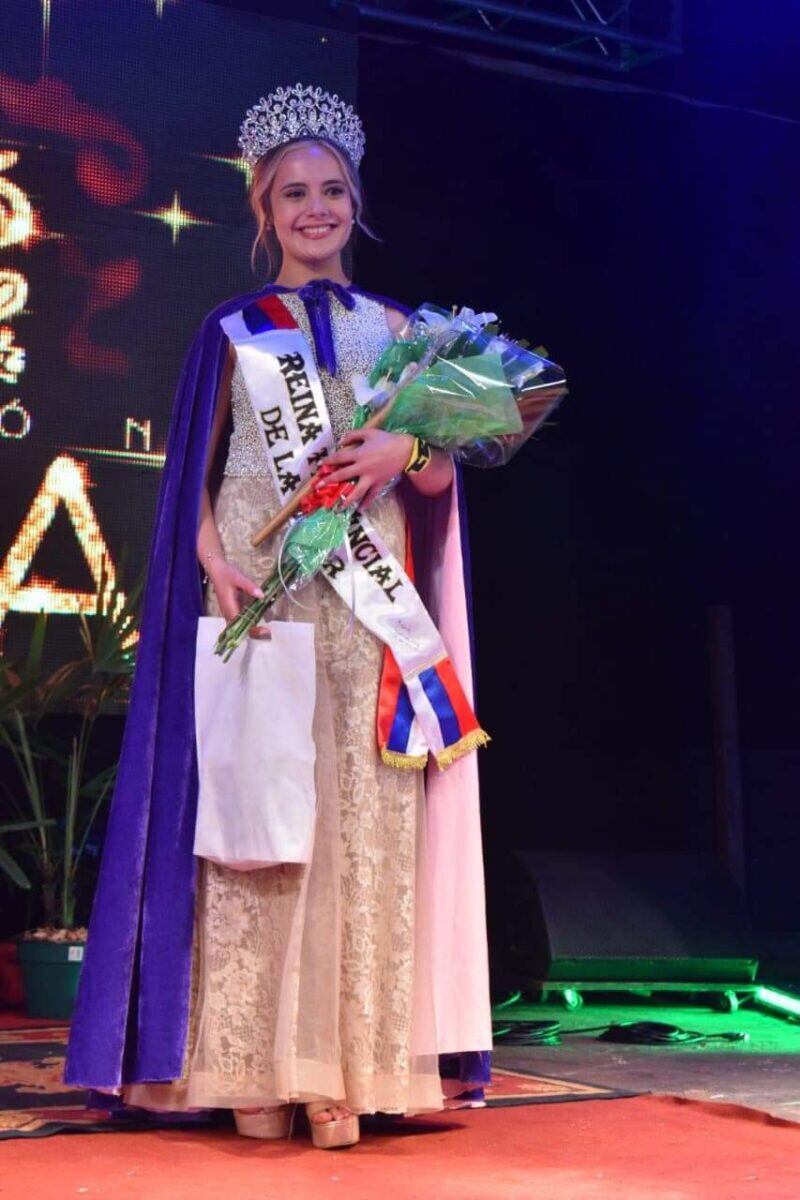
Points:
x=652 y=245
x=644 y=230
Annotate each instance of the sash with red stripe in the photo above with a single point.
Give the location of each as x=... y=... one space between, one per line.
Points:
x=401 y=740
x=422 y=706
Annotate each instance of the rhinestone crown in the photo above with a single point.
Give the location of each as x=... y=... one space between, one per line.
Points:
x=296 y=112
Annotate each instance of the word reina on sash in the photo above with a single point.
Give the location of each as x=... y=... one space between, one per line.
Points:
x=302 y=401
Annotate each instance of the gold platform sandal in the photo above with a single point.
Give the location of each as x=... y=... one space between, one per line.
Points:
x=332 y=1135
x=266 y=1122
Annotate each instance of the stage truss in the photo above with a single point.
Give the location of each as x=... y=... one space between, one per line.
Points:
x=615 y=35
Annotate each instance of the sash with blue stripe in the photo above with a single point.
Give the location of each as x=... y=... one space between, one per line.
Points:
x=422 y=706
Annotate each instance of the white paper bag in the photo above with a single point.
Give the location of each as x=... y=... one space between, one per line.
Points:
x=255 y=750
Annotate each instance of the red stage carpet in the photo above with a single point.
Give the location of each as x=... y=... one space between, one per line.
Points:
x=645 y=1148
x=35 y=1102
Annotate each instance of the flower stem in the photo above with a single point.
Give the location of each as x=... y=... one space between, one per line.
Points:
x=237 y=630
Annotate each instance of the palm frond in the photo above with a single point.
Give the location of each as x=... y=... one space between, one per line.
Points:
x=19 y=826
x=14 y=871
x=54 y=773
x=109 y=635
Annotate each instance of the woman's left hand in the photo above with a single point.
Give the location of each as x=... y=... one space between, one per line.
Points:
x=371 y=457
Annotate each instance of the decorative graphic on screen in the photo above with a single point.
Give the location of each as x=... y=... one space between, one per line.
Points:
x=123 y=221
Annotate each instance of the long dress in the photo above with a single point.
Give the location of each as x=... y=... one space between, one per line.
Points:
x=314 y=981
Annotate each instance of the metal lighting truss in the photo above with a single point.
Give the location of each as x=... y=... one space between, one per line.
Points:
x=617 y=35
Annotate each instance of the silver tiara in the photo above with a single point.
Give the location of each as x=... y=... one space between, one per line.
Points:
x=296 y=112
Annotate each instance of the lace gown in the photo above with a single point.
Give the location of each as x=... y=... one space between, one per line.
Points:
x=313 y=981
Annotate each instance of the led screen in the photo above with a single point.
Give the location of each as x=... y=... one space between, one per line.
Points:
x=123 y=220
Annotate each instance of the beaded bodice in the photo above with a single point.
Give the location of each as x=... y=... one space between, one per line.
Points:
x=359 y=336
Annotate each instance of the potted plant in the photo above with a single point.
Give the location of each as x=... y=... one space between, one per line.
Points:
x=11 y=990
x=63 y=776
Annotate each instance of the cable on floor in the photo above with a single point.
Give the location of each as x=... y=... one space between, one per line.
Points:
x=632 y=1033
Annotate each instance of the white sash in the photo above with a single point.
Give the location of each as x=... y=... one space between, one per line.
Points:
x=286 y=393
x=296 y=433
x=389 y=605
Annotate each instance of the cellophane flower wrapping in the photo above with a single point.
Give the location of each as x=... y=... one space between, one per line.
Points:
x=449 y=378
x=479 y=395
x=310 y=540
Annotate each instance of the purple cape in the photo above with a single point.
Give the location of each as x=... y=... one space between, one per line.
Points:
x=132 y=1010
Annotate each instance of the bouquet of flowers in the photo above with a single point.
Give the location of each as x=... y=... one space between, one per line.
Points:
x=449 y=378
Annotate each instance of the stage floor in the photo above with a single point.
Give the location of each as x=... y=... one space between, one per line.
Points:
x=562 y=1145
x=763 y=1073
x=645 y=1148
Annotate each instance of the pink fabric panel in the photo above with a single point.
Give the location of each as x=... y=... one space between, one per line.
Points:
x=455 y=885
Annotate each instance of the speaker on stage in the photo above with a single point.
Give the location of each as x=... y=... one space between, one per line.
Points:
x=626 y=917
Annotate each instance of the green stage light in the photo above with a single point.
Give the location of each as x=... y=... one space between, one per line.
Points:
x=779 y=1001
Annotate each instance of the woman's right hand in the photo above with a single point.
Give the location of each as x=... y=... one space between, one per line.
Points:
x=234 y=590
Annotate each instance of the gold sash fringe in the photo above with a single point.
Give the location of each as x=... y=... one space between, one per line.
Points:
x=470 y=741
x=404 y=762
x=444 y=759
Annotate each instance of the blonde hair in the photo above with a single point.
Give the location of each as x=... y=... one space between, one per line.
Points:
x=263 y=177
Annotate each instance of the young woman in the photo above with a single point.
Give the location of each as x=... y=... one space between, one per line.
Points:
x=355 y=983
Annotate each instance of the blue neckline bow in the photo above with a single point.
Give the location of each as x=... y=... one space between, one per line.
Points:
x=315 y=296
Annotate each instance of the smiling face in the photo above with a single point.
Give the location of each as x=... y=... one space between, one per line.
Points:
x=311 y=209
